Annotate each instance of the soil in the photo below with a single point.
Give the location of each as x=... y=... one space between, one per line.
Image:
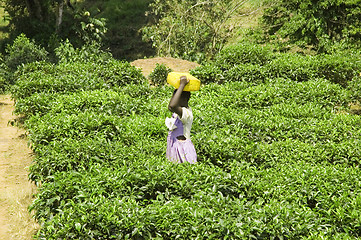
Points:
x=177 y=65
x=16 y=191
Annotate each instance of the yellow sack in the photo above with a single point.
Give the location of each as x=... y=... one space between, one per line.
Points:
x=174 y=80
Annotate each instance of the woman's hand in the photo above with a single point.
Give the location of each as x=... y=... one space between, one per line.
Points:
x=183 y=80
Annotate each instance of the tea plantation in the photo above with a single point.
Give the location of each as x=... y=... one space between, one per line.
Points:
x=279 y=151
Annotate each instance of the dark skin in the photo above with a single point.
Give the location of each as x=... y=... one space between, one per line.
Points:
x=177 y=102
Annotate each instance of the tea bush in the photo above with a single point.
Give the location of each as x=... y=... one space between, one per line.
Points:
x=159 y=74
x=278 y=157
x=3 y=74
x=355 y=88
x=85 y=173
x=71 y=77
x=247 y=62
x=243 y=52
x=339 y=68
x=209 y=73
x=284 y=201
x=122 y=101
x=23 y=51
x=295 y=67
x=66 y=52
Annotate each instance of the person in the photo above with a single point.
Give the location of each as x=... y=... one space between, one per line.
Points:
x=180 y=148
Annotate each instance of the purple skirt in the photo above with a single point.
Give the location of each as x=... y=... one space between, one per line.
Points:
x=180 y=151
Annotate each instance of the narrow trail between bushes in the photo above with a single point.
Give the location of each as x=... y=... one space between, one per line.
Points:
x=16 y=191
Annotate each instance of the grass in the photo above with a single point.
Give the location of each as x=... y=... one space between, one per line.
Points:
x=23 y=226
x=246 y=18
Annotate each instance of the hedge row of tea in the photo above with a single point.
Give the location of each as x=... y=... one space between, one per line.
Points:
x=255 y=63
x=278 y=159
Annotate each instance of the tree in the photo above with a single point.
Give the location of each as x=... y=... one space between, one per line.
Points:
x=191 y=29
x=314 y=22
x=59 y=12
x=49 y=20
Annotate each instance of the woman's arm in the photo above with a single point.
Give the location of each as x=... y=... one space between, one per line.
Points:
x=175 y=102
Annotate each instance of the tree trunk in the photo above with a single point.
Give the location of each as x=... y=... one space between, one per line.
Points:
x=38 y=10
x=29 y=6
x=59 y=16
x=34 y=9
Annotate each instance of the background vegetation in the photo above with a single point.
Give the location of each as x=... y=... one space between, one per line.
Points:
x=3 y=23
x=316 y=23
x=193 y=30
x=113 y=23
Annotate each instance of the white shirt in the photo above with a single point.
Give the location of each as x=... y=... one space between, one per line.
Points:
x=187 y=120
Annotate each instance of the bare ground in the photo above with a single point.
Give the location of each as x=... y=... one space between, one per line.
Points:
x=177 y=65
x=16 y=192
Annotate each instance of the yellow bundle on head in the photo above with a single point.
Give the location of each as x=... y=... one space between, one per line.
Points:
x=174 y=80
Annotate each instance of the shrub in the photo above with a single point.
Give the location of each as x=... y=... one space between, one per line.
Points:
x=339 y=68
x=76 y=76
x=355 y=88
x=243 y=53
x=254 y=73
x=277 y=160
x=208 y=73
x=91 y=52
x=23 y=51
x=159 y=74
x=3 y=85
x=118 y=203
x=255 y=63
x=313 y=22
x=293 y=66
x=100 y=100
x=3 y=74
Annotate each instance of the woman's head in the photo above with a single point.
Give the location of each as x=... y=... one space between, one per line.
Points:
x=185 y=96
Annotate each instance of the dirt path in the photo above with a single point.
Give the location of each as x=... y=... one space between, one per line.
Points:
x=15 y=190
